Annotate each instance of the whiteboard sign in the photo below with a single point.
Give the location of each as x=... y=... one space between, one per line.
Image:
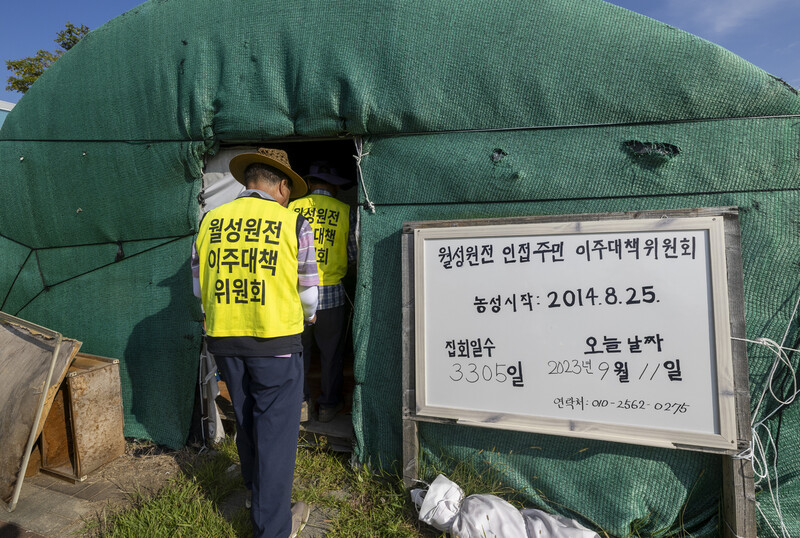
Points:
x=610 y=329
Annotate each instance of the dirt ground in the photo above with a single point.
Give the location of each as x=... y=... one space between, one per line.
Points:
x=144 y=468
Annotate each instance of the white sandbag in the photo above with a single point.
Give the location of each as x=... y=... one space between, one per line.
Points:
x=540 y=524
x=444 y=507
x=488 y=516
x=440 y=503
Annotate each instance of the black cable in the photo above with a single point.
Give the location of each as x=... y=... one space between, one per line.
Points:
x=113 y=242
x=11 y=287
x=48 y=287
x=29 y=302
x=41 y=274
x=112 y=263
x=15 y=241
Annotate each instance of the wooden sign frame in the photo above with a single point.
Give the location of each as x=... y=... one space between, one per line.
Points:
x=735 y=432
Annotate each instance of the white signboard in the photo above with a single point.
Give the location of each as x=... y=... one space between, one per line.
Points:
x=613 y=330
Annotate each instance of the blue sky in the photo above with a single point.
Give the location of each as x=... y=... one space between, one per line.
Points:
x=764 y=32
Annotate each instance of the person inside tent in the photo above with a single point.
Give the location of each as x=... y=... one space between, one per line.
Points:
x=334 y=237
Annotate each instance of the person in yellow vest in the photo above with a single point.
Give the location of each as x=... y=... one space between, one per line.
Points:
x=255 y=270
x=334 y=238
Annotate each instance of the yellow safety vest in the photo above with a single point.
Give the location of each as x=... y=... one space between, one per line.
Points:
x=248 y=269
x=330 y=220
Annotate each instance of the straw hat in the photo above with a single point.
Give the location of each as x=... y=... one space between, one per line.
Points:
x=275 y=158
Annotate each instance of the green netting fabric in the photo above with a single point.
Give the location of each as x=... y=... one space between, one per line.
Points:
x=95 y=244
x=100 y=166
x=598 y=481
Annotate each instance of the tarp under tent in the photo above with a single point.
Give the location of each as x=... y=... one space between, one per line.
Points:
x=101 y=164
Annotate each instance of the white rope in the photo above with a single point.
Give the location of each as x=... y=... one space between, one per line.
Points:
x=760 y=460
x=746 y=454
x=368 y=205
x=794 y=312
x=781 y=357
x=764 y=517
x=731 y=529
x=757 y=452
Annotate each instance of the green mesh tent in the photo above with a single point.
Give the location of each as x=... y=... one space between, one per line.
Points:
x=100 y=167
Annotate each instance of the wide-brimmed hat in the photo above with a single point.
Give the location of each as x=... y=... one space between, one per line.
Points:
x=276 y=158
x=324 y=171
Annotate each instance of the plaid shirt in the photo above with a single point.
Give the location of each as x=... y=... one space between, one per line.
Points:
x=334 y=295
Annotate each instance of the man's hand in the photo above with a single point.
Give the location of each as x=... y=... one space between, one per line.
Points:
x=313 y=320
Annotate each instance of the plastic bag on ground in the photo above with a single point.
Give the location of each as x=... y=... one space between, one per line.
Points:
x=444 y=507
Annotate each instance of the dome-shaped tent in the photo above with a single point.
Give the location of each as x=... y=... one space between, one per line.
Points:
x=100 y=167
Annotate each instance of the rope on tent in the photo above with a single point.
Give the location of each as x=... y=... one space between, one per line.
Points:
x=368 y=205
x=757 y=450
x=39 y=267
x=11 y=287
x=118 y=242
x=592 y=125
x=117 y=259
x=730 y=529
x=424 y=133
x=15 y=241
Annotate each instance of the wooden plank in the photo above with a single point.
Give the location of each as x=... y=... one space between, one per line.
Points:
x=738 y=486
x=95 y=405
x=410 y=432
x=84 y=430
x=34 y=462
x=56 y=436
x=25 y=357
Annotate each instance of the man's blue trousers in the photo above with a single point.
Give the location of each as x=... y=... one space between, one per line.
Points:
x=266 y=393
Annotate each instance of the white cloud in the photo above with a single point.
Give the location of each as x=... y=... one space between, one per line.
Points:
x=716 y=18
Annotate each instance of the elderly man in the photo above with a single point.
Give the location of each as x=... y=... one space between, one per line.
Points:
x=254 y=261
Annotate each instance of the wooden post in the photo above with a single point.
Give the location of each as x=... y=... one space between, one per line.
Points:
x=410 y=439
x=738 y=487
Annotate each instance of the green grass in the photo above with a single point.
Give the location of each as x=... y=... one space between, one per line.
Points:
x=481 y=475
x=180 y=509
x=361 y=503
x=355 y=501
